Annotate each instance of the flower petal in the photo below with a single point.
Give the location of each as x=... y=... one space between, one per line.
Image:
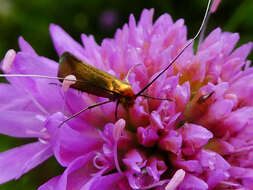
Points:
x=78 y=173
x=64 y=42
x=15 y=162
x=108 y=182
x=51 y=184
x=39 y=90
x=192 y=182
x=25 y=46
x=16 y=99
x=68 y=144
x=21 y=124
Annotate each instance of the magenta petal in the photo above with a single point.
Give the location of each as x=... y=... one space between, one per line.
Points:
x=25 y=63
x=92 y=52
x=155 y=120
x=195 y=136
x=78 y=173
x=192 y=182
x=108 y=182
x=210 y=39
x=15 y=162
x=21 y=124
x=25 y=46
x=147 y=136
x=216 y=176
x=190 y=166
x=51 y=184
x=241 y=173
x=68 y=144
x=238 y=119
x=134 y=160
x=64 y=42
x=171 y=142
x=211 y=160
x=17 y=100
x=243 y=51
x=38 y=90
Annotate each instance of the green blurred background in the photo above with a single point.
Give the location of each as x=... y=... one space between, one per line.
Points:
x=100 y=18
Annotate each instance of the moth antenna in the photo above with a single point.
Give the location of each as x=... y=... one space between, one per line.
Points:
x=83 y=110
x=180 y=53
x=129 y=71
x=37 y=76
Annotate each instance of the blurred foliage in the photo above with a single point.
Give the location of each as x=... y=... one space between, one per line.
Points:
x=31 y=20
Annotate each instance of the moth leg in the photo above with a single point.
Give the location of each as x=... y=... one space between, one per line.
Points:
x=116 y=110
x=83 y=110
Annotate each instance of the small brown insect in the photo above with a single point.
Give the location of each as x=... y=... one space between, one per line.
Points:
x=205 y=97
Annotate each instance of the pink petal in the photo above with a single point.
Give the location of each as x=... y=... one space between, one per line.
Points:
x=15 y=162
x=25 y=46
x=212 y=38
x=193 y=182
x=32 y=64
x=68 y=144
x=195 y=136
x=93 y=52
x=171 y=142
x=51 y=184
x=238 y=119
x=78 y=173
x=243 y=51
x=147 y=136
x=38 y=90
x=64 y=42
x=211 y=160
x=21 y=124
x=240 y=173
x=214 y=177
x=190 y=165
x=17 y=100
x=108 y=182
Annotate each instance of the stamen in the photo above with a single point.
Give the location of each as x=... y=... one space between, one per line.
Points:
x=119 y=127
x=177 y=178
x=99 y=161
x=8 y=60
x=68 y=81
x=117 y=131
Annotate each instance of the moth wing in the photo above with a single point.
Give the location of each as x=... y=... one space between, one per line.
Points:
x=89 y=79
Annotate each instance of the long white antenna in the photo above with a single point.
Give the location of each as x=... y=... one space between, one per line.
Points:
x=35 y=76
x=180 y=53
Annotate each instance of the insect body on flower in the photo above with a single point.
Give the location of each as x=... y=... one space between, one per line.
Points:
x=95 y=81
x=92 y=80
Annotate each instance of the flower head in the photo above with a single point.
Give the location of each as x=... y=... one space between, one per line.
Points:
x=199 y=138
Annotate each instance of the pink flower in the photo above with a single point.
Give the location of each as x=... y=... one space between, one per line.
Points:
x=199 y=139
